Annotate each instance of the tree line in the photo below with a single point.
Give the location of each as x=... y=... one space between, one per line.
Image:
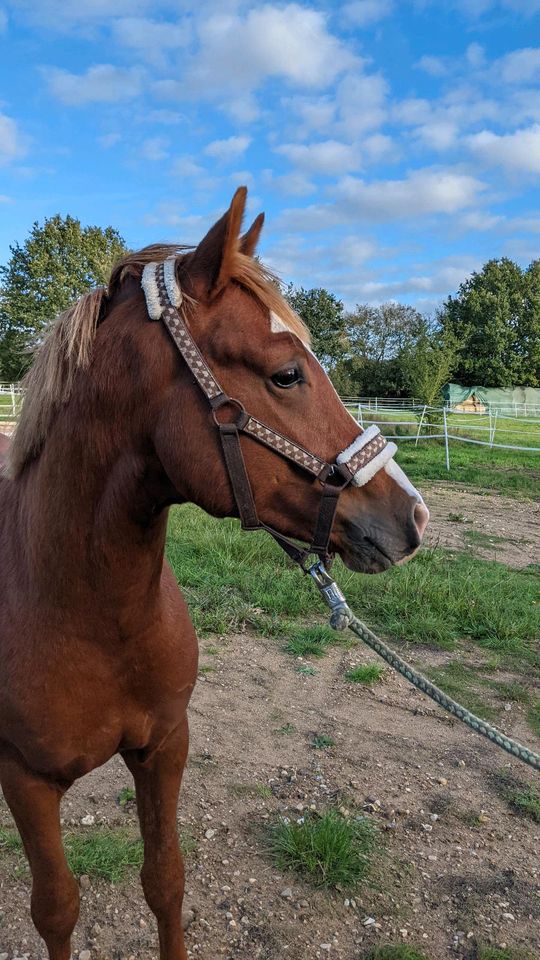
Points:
x=487 y=333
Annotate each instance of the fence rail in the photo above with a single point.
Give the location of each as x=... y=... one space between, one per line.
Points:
x=418 y=422
x=414 y=403
x=10 y=400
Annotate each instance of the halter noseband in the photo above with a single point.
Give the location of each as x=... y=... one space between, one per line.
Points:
x=368 y=453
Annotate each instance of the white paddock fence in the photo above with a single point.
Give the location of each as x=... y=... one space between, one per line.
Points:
x=10 y=400
x=419 y=422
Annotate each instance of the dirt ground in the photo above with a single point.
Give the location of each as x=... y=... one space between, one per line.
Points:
x=456 y=865
x=457 y=510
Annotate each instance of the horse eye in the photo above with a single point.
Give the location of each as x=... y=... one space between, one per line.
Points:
x=287 y=378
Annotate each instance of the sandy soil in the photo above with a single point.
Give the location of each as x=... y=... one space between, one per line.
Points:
x=456 y=865
x=516 y=522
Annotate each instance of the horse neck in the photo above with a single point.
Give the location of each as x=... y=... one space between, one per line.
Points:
x=92 y=533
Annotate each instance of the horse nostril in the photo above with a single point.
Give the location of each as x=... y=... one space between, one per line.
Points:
x=421 y=517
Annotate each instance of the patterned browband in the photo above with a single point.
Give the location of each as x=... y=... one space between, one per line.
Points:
x=362 y=459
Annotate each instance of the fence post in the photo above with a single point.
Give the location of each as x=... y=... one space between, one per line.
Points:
x=492 y=432
x=446 y=440
x=420 y=426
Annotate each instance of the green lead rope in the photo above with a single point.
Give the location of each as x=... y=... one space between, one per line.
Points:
x=342 y=616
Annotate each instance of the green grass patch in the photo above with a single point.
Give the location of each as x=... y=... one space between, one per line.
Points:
x=286 y=730
x=366 y=673
x=306 y=670
x=508 y=953
x=526 y=802
x=105 y=853
x=10 y=841
x=477 y=538
x=460 y=682
x=511 y=690
x=327 y=851
x=108 y=854
x=312 y=641
x=233 y=580
x=533 y=718
x=396 y=951
x=522 y=797
x=321 y=741
x=126 y=795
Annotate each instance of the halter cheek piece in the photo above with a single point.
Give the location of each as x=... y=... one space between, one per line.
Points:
x=368 y=454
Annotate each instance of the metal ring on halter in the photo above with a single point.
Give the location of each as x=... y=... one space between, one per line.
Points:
x=222 y=401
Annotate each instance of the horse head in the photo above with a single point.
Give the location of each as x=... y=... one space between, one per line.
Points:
x=258 y=351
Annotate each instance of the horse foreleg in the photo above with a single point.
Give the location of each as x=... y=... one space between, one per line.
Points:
x=157 y=784
x=35 y=805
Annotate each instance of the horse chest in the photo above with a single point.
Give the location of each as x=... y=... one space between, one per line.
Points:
x=84 y=704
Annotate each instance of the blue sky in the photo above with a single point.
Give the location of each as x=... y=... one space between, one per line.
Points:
x=395 y=146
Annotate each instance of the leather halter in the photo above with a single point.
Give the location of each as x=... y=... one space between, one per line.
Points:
x=357 y=464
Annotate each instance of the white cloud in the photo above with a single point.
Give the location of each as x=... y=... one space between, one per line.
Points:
x=422 y=192
x=239 y=53
x=102 y=83
x=155 y=148
x=361 y=103
x=292 y=184
x=519 y=66
x=362 y=13
x=109 y=140
x=4 y=199
x=475 y=55
x=166 y=117
x=229 y=149
x=516 y=151
x=438 y=135
x=434 y=66
x=327 y=157
x=11 y=142
x=151 y=38
x=479 y=220
x=312 y=113
x=187 y=167
x=437 y=277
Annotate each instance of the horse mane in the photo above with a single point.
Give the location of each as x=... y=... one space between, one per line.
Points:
x=67 y=346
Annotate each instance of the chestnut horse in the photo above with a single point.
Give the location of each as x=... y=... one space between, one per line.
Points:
x=98 y=655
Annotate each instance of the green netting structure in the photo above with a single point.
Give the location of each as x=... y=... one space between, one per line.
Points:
x=493 y=397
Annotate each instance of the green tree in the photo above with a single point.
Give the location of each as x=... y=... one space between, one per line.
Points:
x=323 y=315
x=377 y=337
x=57 y=263
x=381 y=333
x=427 y=365
x=494 y=320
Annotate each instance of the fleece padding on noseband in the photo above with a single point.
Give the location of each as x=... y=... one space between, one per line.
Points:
x=169 y=275
x=365 y=473
x=151 y=292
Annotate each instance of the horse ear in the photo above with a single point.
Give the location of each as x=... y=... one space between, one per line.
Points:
x=213 y=259
x=248 y=243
